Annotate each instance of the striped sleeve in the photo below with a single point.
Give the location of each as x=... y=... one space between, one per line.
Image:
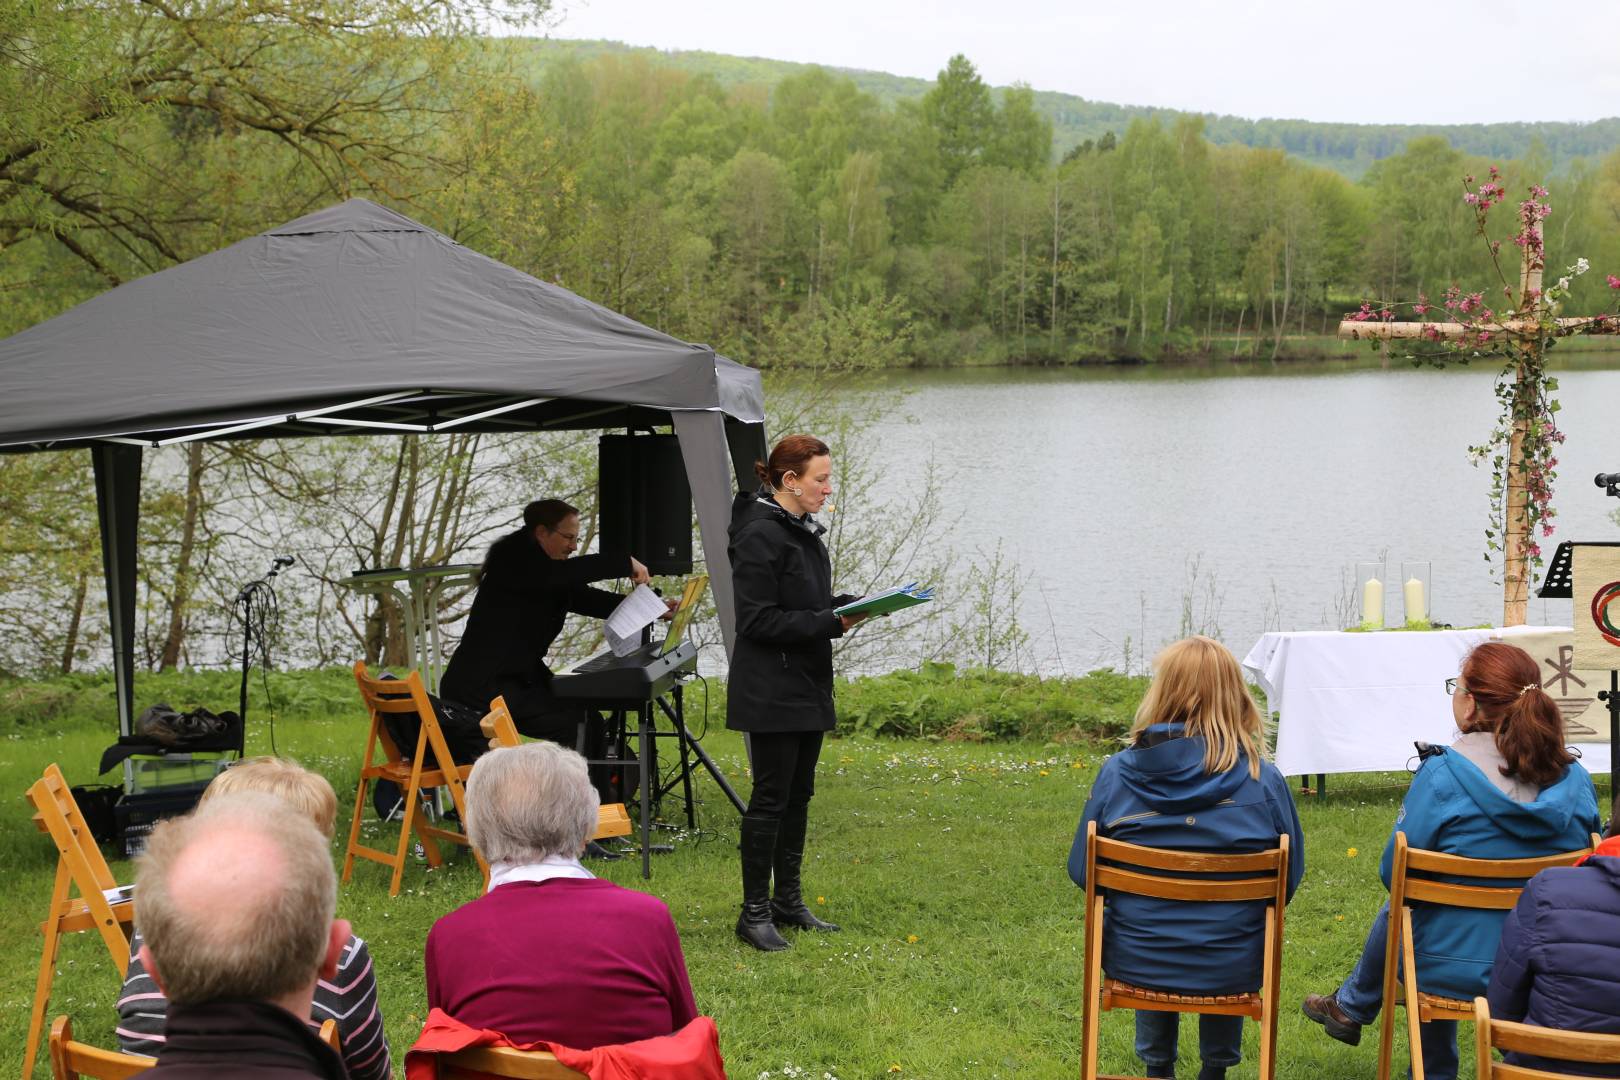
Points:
x=142 y=1008
x=350 y=998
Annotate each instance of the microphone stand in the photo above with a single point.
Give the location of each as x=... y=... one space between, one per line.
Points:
x=244 y=600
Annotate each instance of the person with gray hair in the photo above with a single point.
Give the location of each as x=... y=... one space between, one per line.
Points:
x=551 y=952
x=236 y=912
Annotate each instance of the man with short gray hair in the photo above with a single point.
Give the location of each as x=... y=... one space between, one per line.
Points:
x=235 y=906
x=552 y=953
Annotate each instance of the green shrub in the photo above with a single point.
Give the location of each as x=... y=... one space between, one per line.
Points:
x=974 y=705
x=87 y=699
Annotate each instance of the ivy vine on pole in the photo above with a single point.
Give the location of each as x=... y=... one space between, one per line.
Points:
x=1522 y=449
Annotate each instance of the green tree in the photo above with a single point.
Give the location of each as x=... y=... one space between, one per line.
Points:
x=136 y=135
x=959 y=109
x=1022 y=137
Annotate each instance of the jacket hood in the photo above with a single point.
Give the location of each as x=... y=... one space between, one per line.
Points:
x=1548 y=815
x=1169 y=776
x=751 y=506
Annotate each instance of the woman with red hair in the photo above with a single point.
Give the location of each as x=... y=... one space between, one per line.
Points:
x=781 y=685
x=1506 y=788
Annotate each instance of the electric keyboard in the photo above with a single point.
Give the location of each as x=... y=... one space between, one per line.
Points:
x=645 y=674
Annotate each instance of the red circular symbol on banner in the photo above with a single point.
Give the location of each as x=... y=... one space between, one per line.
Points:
x=1602 y=600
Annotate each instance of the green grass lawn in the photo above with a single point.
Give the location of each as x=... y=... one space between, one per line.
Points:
x=944 y=862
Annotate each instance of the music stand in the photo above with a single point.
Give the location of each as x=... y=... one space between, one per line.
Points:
x=1558 y=583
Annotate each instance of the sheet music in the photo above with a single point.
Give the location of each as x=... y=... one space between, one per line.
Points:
x=641 y=608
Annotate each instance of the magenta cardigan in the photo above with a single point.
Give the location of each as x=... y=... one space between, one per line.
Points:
x=578 y=961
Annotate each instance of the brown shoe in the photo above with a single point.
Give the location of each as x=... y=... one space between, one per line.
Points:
x=1324 y=1009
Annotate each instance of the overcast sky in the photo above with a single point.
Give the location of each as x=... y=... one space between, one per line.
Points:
x=1373 y=61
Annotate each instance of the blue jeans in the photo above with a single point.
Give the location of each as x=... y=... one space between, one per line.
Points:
x=1362 y=995
x=1220 y=1039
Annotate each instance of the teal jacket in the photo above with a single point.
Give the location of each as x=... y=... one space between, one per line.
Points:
x=1453 y=807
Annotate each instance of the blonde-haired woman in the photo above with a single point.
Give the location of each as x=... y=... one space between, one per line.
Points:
x=1193 y=777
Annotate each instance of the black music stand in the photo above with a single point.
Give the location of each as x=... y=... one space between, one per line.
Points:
x=1559 y=584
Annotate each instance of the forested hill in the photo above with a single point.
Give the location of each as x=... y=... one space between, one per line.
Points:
x=1346 y=148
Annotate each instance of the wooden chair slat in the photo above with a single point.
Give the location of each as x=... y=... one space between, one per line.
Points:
x=1175 y=888
x=505 y=1062
x=1508 y=1035
x=1551 y=1043
x=70 y=1059
x=1439 y=862
x=1477 y=897
x=1186 y=861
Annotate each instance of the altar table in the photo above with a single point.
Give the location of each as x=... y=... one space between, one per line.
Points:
x=1356 y=702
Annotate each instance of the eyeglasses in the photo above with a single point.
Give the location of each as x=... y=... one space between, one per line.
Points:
x=1454 y=684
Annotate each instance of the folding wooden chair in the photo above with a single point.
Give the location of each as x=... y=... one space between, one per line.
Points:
x=1583 y=1046
x=481 y=1061
x=1399 y=957
x=79 y=865
x=71 y=1060
x=412 y=774
x=1115 y=866
x=611 y=818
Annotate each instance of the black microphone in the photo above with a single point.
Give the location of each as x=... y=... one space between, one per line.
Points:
x=1607 y=479
x=283 y=561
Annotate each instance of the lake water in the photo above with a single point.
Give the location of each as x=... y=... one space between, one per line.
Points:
x=1106 y=486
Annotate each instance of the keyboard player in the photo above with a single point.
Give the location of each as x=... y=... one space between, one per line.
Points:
x=529 y=583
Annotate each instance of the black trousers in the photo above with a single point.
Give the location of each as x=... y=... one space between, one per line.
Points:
x=784 y=771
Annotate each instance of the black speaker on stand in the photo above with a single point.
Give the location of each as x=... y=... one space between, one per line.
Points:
x=644 y=501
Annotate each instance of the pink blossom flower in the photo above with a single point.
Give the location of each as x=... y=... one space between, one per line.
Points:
x=1614 y=282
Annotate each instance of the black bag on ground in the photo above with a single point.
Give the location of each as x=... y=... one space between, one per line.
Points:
x=96 y=802
x=462 y=731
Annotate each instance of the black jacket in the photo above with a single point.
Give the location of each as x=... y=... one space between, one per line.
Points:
x=243 y=1038
x=781 y=669
x=523 y=597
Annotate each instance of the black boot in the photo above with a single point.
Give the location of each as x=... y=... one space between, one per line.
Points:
x=787 y=906
x=758 y=845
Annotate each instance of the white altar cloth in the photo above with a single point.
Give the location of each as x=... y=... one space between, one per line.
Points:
x=1355 y=702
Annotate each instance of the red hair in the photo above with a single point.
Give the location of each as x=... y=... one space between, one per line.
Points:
x=792 y=454
x=1505 y=682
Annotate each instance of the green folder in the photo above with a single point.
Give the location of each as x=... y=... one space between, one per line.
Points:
x=888 y=601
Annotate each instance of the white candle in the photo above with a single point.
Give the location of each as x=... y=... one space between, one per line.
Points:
x=1415 y=610
x=1372 y=604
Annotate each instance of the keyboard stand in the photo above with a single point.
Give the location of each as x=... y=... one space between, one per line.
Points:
x=652 y=792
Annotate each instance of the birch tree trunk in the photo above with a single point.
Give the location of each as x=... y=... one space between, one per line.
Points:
x=180 y=597
x=1515 y=538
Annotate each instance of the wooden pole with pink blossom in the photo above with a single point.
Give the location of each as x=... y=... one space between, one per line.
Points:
x=1522 y=449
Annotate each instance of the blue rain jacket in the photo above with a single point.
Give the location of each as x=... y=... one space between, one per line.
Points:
x=1157 y=794
x=1453 y=807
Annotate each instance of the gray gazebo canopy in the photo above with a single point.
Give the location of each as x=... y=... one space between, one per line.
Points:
x=356 y=320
